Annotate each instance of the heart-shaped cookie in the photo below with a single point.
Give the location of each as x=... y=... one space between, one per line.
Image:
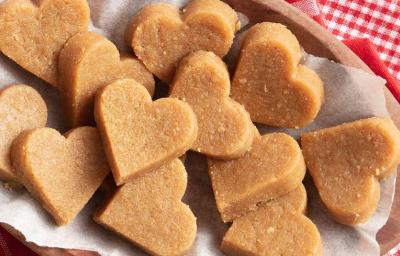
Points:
x=347 y=161
x=148 y=212
x=61 y=172
x=161 y=35
x=88 y=62
x=225 y=128
x=276 y=228
x=32 y=33
x=138 y=134
x=273 y=167
x=21 y=108
x=269 y=81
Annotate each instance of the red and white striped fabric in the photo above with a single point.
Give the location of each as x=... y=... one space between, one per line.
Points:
x=371 y=28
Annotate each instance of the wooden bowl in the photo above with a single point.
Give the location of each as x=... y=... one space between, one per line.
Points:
x=317 y=41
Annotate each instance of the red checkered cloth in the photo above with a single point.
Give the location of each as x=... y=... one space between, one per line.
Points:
x=394 y=252
x=378 y=21
x=371 y=28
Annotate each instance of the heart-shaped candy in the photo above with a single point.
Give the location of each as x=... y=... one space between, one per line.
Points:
x=346 y=163
x=140 y=135
x=148 y=211
x=88 y=62
x=225 y=128
x=273 y=167
x=32 y=33
x=61 y=172
x=161 y=35
x=21 y=108
x=269 y=81
x=276 y=228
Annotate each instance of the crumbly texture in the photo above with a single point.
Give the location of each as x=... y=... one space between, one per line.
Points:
x=88 y=62
x=346 y=163
x=269 y=81
x=21 y=108
x=62 y=173
x=277 y=228
x=32 y=33
x=225 y=128
x=138 y=134
x=273 y=167
x=148 y=212
x=161 y=35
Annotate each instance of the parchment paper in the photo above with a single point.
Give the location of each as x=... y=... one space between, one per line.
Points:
x=350 y=94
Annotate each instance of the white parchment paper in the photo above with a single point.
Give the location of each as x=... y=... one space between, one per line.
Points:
x=351 y=94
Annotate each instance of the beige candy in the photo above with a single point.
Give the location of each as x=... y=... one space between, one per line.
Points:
x=62 y=173
x=277 y=228
x=270 y=82
x=148 y=212
x=88 y=62
x=138 y=134
x=32 y=32
x=161 y=35
x=225 y=128
x=21 y=108
x=347 y=162
x=273 y=167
